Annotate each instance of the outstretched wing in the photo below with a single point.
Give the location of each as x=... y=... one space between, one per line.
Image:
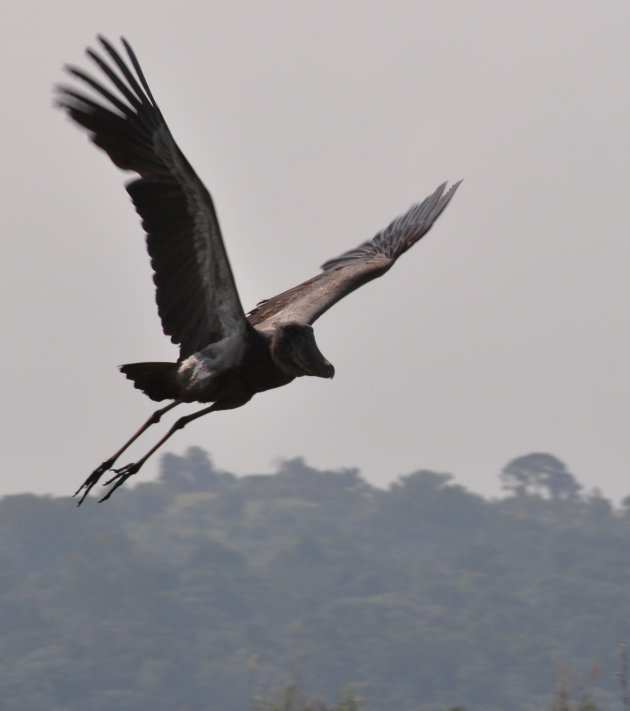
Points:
x=309 y=300
x=195 y=291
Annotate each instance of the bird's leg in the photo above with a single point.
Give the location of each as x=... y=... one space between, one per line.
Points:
x=94 y=477
x=125 y=472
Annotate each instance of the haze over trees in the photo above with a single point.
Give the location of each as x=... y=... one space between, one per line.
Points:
x=204 y=591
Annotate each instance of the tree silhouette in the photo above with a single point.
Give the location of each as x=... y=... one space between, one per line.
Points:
x=540 y=474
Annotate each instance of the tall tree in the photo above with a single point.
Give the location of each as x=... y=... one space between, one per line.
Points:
x=540 y=474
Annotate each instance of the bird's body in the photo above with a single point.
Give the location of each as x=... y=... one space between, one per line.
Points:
x=226 y=356
x=231 y=374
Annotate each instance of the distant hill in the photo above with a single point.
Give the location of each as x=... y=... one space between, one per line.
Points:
x=204 y=590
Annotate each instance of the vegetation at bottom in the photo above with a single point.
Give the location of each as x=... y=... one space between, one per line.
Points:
x=292 y=698
x=202 y=591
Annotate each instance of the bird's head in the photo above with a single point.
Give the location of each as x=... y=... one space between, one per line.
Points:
x=294 y=351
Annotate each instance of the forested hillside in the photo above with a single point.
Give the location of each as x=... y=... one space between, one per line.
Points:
x=203 y=591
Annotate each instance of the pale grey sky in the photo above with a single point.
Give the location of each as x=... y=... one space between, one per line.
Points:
x=314 y=124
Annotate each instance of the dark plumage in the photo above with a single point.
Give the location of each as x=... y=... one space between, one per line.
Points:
x=226 y=356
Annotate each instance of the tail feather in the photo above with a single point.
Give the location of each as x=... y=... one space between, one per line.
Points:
x=157 y=380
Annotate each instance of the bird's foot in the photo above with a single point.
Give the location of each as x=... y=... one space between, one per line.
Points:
x=120 y=477
x=93 y=479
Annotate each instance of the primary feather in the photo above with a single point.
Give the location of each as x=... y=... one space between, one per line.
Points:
x=195 y=291
x=342 y=275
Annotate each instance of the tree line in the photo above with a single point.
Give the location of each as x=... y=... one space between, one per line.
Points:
x=207 y=591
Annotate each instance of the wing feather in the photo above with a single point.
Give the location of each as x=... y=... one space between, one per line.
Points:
x=195 y=290
x=342 y=275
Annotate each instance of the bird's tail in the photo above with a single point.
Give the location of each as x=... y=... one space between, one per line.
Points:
x=157 y=380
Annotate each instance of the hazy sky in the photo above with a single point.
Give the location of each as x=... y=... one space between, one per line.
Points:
x=313 y=124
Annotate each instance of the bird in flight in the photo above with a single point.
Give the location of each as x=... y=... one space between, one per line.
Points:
x=225 y=355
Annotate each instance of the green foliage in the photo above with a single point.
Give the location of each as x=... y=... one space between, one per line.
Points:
x=293 y=699
x=201 y=590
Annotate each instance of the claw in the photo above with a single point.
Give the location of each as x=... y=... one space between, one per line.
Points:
x=93 y=479
x=120 y=477
x=123 y=473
